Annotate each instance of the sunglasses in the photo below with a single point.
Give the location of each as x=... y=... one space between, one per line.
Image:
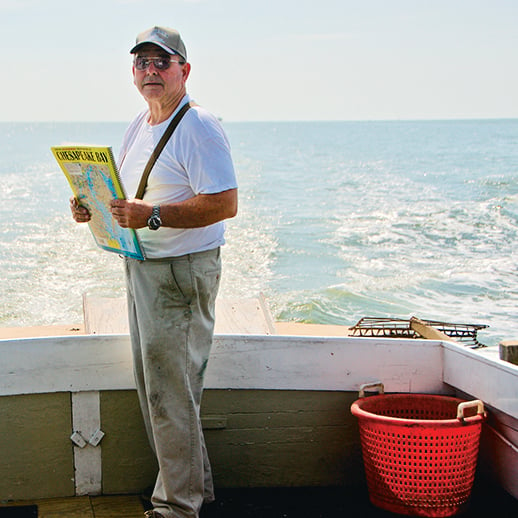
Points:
x=142 y=63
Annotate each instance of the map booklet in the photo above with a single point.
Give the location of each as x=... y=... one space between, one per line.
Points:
x=92 y=174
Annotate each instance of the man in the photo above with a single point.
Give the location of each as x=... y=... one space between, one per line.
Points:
x=171 y=295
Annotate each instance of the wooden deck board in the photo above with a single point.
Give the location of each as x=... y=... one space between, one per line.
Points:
x=120 y=506
x=105 y=315
x=271 y=503
x=125 y=506
x=78 y=507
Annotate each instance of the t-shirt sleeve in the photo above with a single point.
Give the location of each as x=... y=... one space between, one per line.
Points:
x=207 y=156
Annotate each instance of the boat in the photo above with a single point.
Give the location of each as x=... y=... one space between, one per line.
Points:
x=275 y=411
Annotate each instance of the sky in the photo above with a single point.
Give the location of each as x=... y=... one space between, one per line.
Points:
x=268 y=60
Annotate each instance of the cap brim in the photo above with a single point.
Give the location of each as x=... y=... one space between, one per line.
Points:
x=142 y=43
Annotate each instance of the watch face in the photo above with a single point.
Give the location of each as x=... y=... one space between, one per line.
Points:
x=154 y=222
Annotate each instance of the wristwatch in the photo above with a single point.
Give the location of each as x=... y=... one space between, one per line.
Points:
x=154 y=222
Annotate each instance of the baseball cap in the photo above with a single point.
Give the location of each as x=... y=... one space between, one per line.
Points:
x=166 y=38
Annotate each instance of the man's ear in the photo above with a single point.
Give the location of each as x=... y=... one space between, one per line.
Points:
x=186 y=71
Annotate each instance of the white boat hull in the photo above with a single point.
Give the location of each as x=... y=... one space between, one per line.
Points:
x=267 y=399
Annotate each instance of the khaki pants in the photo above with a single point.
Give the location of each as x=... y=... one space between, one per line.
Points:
x=171 y=314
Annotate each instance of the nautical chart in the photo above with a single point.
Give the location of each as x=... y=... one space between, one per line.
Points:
x=94 y=179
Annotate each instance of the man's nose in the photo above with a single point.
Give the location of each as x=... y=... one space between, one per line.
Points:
x=153 y=71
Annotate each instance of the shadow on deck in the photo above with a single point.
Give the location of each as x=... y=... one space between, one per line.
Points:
x=487 y=500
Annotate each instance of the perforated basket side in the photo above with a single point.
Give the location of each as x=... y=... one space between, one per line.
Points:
x=416 y=463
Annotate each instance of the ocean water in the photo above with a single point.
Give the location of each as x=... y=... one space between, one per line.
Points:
x=337 y=220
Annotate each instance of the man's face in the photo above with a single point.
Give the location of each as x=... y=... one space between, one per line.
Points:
x=166 y=85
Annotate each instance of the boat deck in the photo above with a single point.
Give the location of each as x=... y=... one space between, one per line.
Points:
x=486 y=500
x=127 y=506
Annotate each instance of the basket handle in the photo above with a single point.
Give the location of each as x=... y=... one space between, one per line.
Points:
x=470 y=404
x=376 y=385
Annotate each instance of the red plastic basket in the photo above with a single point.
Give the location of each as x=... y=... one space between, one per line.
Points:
x=419 y=450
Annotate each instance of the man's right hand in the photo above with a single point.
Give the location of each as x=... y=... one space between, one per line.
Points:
x=79 y=213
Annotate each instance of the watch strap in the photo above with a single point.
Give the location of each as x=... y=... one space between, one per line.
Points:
x=154 y=221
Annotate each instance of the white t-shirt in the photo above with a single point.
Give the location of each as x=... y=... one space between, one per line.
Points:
x=195 y=160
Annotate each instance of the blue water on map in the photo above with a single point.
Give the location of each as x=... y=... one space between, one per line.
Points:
x=337 y=220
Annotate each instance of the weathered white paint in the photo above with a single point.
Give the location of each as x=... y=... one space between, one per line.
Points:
x=103 y=362
x=65 y=363
x=324 y=363
x=504 y=459
x=485 y=377
x=86 y=419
